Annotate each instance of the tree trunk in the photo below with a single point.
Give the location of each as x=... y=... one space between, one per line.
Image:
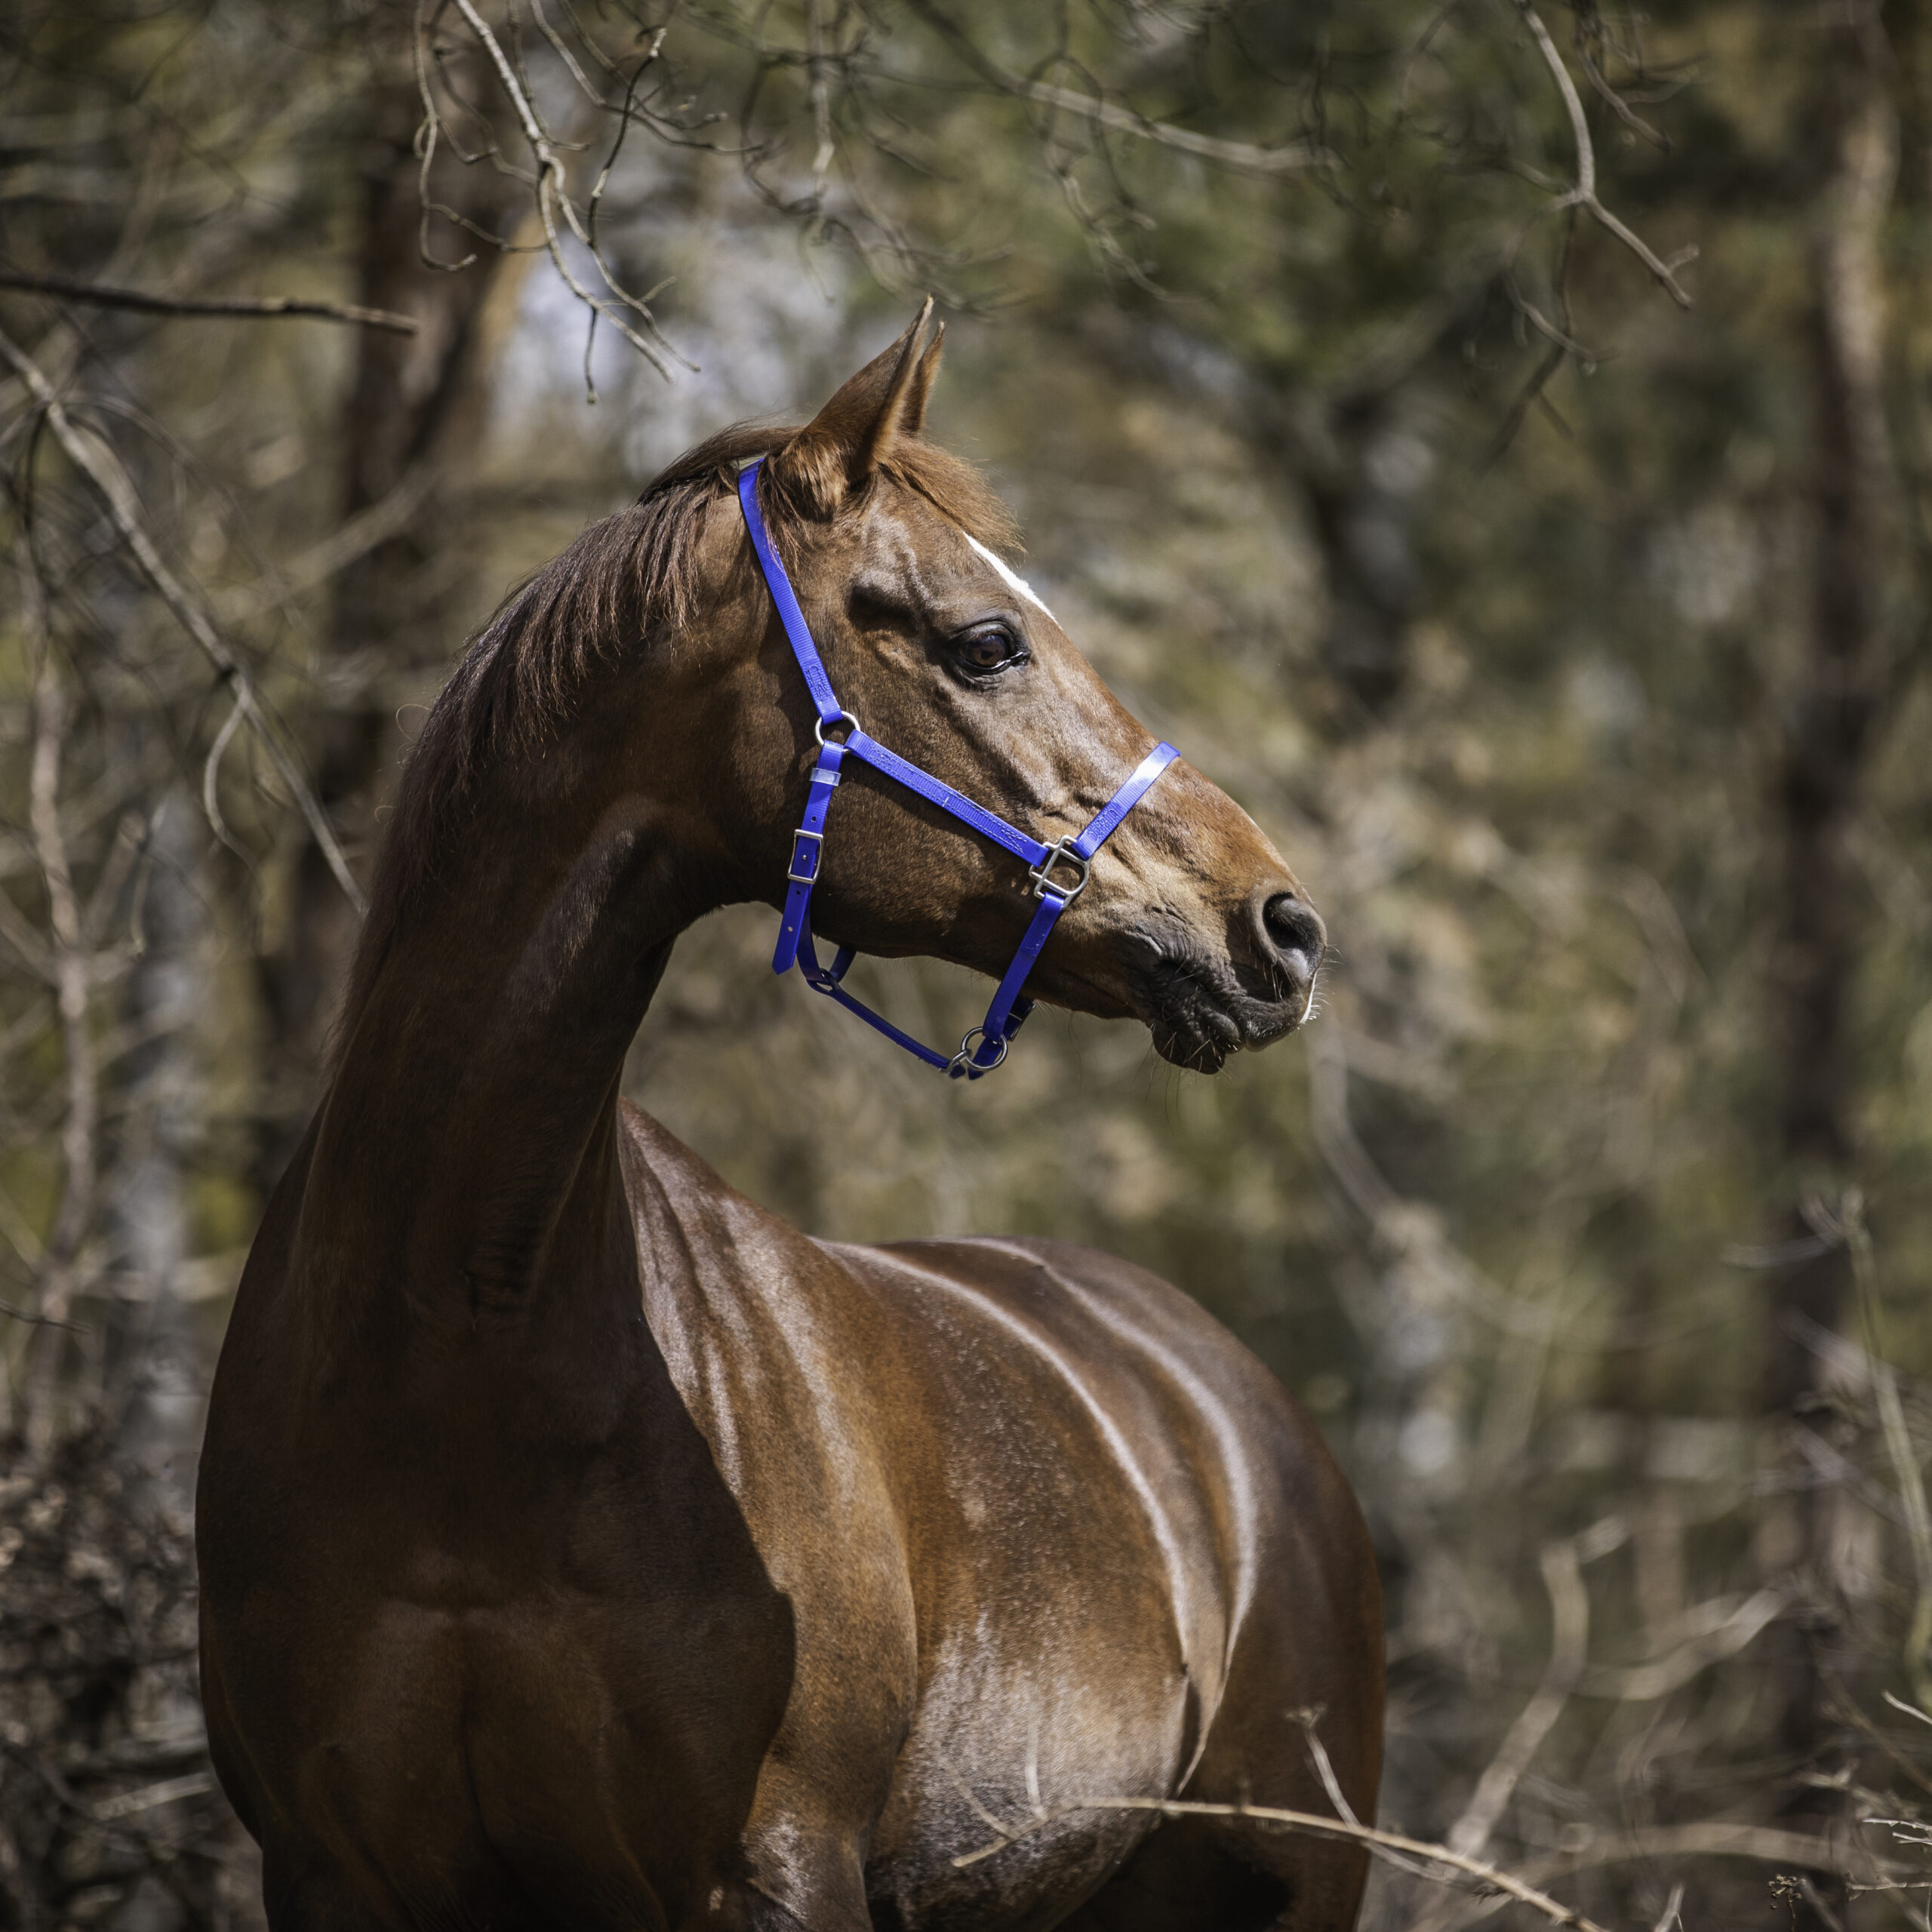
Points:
x=1828 y=734
x=414 y=415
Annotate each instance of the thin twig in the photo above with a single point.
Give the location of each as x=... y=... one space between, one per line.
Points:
x=1308 y=1717
x=1569 y=1649
x=28 y=1318
x=427 y=136
x=1553 y=357
x=552 y=193
x=1638 y=1684
x=1600 y=85
x=980 y=1812
x=1587 y=358
x=1243 y=155
x=73 y=964
x=825 y=150
x=1844 y=1708
x=117 y=495
x=93 y=294
x=367 y=529
x=1764 y=1843
x=1898 y=1447
x=625 y=116
x=73 y=974
x=1910 y=1710
x=1379 y=1843
x=561 y=48
x=211 y=787
x=1584 y=194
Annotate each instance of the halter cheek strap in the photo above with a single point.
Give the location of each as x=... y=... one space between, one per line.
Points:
x=1059 y=871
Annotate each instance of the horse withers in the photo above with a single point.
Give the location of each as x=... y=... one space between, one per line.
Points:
x=583 y=1546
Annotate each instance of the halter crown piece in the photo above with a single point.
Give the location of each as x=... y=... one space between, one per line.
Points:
x=1058 y=871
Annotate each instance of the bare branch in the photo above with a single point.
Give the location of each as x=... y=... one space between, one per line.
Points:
x=73 y=977
x=1899 y=1449
x=1764 y=1843
x=1308 y=1717
x=28 y=1319
x=1910 y=1710
x=362 y=533
x=1380 y=1843
x=117 y=495
x=625 y=115
x=1569 y=1610
x=427 y=136
x=211 y=305
x=1584 y=194
x=551 y=190
x=1243 y=155
x=72 y=968
x=1600 y=86
x=1716 y=1839
x=1641 y=1683
x=825 y=149
x=211 y=786
x=1554 y=355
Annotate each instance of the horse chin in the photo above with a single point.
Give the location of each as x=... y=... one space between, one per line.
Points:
x=1199 y=1012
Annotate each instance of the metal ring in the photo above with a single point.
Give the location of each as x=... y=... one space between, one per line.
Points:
x=962 y=1062
x=845 y=717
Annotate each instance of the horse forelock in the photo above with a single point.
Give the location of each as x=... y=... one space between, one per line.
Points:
x=635 y=576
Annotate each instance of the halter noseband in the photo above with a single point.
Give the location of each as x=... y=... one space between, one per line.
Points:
x=1058 y=871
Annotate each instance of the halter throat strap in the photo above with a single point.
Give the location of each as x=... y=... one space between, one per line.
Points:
x=1058 y=871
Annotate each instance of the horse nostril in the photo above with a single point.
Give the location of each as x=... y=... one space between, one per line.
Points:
x=1296 y=936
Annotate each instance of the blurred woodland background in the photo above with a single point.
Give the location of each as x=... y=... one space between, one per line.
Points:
x=1493 y=437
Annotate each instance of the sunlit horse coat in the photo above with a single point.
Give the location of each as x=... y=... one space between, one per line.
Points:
x=582 y=1545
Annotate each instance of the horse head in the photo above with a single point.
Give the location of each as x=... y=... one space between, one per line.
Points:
x=1189 y=920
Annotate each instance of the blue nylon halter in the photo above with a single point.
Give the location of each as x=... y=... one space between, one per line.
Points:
x=1008 y=1011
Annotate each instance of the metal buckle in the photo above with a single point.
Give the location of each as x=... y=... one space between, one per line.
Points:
x=844 y=718
x=818 y=845
x=962 y=1062
x=1061 y=853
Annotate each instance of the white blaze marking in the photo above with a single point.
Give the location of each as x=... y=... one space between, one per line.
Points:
x=1012 y=580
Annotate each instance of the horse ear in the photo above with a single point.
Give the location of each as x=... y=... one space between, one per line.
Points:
x=912 y=417
x=841 y=447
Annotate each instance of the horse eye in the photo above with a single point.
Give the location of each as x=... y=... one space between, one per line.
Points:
x=989 y=650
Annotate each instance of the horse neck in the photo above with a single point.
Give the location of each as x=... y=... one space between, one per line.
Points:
x=465 y=1157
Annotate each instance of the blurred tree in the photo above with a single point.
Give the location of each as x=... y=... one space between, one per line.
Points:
x=412 y=421
x=1864 y=602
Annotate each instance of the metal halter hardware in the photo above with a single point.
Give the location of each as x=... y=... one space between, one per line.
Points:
x=1008 y=1009
x=1062 y=853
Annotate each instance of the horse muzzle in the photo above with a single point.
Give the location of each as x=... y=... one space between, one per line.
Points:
x=1202 y=1003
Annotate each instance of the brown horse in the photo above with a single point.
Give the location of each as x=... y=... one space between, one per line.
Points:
x=582 y=1546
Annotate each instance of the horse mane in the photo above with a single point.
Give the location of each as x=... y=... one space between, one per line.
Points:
x=630 y=579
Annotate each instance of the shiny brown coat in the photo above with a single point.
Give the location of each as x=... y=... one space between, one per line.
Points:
x=583 y=1546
